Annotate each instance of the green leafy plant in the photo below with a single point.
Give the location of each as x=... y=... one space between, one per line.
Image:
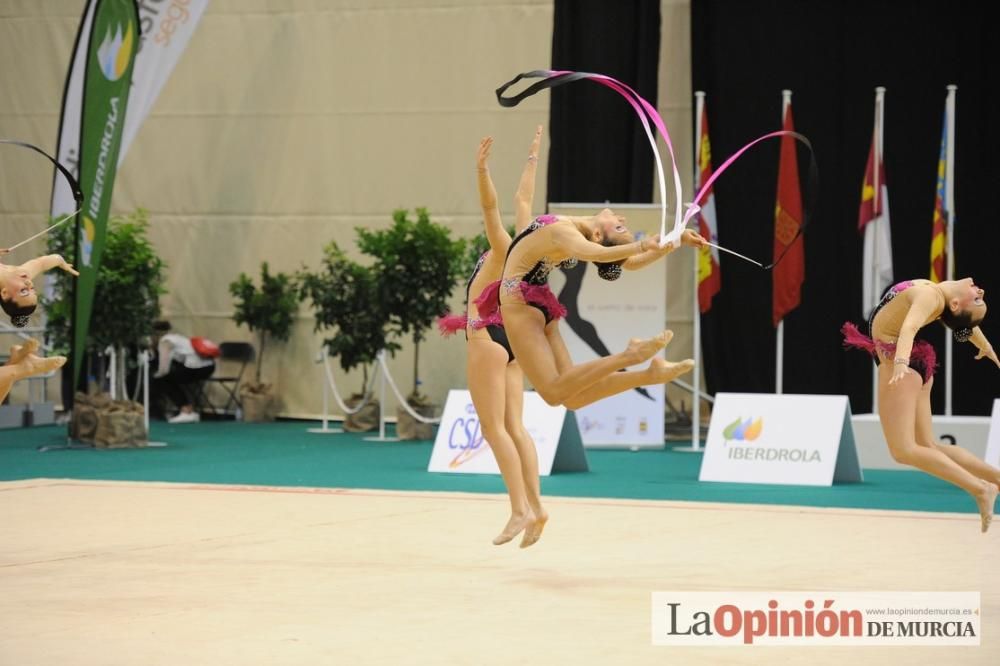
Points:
x=417 y=265
x=127 y=292
x=268 y=310
x=346 y=303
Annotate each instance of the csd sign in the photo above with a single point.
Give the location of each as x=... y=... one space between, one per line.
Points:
x=465 y=432
x=460 y=444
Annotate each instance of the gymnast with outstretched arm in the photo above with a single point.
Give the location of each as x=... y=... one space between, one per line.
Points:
x=19 y=299
x=495 y=379
x=530 y=312
x=906 y=375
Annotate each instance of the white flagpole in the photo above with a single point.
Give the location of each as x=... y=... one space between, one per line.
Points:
x=779 y=369
x=699 y=108
x=949 y=207
x=873 y=269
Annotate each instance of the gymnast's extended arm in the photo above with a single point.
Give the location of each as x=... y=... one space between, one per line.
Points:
x=45 y=263
x=525 y=194
x=493 y=223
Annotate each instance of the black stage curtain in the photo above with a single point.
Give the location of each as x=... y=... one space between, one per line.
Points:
x=599 y=151
x=832 y=55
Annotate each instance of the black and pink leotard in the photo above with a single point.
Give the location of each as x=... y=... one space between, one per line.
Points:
x=450 y=324
x=533 y=286
x=923 y=359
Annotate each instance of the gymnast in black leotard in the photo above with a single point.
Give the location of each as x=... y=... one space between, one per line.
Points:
x=906 y=378
x=18 y=299
x=522 y=301
x=533 y=285
x=495 y=330
x=495 y=379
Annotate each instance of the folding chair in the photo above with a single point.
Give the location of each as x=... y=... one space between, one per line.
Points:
x=232 y=353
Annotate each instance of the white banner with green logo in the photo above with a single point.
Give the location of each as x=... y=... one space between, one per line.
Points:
x=165 y=28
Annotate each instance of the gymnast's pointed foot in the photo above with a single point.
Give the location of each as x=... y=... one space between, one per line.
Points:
x=516 y=524
x=20 y=352
x=985 y=500
x=36 y=365
x=643 y=350
x=534 y=530
x=662 y=371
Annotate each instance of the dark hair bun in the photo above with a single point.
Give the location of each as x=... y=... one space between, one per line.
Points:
x=609 y=271
x=962 y=334
x=19 y=321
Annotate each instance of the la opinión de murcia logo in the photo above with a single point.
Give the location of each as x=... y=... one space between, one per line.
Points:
x=730 y=623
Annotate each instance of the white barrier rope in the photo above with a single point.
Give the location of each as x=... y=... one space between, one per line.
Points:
x=138 y=384
x=111 y=373
x=399 y=396
x=336 y=394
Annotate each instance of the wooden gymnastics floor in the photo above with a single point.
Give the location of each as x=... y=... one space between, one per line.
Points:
x=108 y=573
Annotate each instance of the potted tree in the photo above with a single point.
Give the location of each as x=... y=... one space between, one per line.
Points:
x=126 y=300
x=346 y=304
x=270 y=311
x=418 y=265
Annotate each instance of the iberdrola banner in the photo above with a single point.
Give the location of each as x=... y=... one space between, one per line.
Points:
x=165 y=28
x=114 y=39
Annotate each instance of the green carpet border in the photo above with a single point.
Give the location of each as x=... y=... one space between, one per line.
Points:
x=285 y=454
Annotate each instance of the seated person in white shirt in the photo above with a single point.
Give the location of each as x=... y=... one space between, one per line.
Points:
x=178 y=365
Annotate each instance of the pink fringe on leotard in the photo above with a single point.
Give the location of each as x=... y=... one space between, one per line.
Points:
x=451 y=324
x=542 y=295
x=488 y=303
x=922 y=351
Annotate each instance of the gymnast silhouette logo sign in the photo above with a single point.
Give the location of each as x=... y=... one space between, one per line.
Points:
x=466 y=437
x=743 y=431
x=587 y=424
x=114 y=52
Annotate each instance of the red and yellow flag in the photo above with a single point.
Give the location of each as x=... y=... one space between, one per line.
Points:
x=939 y=227
x=873 y=222
x=790 y=273
x=709 y=275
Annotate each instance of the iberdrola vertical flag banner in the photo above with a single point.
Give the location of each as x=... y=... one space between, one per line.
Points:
x=114 y=40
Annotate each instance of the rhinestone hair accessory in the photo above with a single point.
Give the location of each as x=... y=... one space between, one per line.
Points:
x=962 y=334
x=609 y=272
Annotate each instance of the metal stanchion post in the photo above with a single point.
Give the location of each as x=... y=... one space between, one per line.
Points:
x=325 y=430
x=381 y=406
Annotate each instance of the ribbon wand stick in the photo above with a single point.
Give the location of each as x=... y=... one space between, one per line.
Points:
x=42 y=233
x=745 y=258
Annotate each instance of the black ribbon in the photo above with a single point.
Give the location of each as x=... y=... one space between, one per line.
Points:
x=74 y=186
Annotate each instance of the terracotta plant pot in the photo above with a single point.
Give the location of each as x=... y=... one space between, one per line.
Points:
x=408 y=427
x=260 y=405
x=364 y=420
